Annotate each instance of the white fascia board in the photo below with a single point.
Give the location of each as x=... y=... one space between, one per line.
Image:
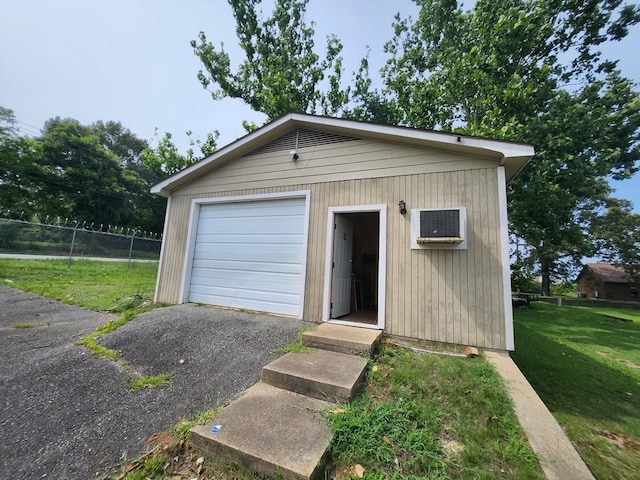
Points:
x=505 y=261
x=503 y=148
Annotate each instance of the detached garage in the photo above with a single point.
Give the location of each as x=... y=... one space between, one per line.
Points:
x=347 y=222
x=249 y=253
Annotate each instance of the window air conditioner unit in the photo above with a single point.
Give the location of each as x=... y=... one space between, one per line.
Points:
x=439 y=228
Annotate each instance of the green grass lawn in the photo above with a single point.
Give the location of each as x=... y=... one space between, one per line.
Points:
x=89 y=284
x=585 y=365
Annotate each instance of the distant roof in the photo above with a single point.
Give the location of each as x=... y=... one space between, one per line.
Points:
x=512 y=155
x=609 y=273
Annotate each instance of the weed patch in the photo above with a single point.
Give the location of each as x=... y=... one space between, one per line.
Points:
x=26 y=325
x=297 y=347
x=181 y=431
x=137 y=382
x=150 y=381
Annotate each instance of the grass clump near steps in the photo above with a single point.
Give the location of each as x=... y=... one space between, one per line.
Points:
x=431 y=416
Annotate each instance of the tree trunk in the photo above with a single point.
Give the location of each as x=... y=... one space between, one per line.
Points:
x=545 y=270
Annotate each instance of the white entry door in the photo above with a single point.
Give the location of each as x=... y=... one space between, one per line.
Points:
x=342 y=267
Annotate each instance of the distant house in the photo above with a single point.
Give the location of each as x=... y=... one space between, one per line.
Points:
x=332 y=220
x=607 y=281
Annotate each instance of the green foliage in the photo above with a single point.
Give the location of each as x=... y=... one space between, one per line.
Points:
x=430 y=416
x=528 y=71
x=280 y=72
x=565 y=289
x=20 y=172
x=91 y=343
x=524 y=284
x=165 y=159
x=616 y=232
x=7 y=122
x=97 y=350
x=585 y=366
x=120 y=141
x=89 y=173
x=22 y=325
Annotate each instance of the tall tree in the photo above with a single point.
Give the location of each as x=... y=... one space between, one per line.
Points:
x=280 y=72
x=121 y=141
x=165 y=158
x=90 y=173
x=616 y=231
x=527 y=70
x=81 y=179
x=19 y=158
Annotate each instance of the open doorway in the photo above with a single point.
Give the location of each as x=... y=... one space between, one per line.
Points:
x=356 y=256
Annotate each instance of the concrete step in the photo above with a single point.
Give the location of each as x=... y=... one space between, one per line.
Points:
x=271 y=431
x=321 y=374
x=343 y=339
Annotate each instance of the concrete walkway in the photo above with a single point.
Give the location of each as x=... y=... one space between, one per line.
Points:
x=558 y=458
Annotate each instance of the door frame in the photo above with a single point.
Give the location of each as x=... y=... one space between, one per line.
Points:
x=381 y=209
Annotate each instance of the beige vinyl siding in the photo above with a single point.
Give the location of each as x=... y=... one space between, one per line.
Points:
x=358 y=159
x=453 y=296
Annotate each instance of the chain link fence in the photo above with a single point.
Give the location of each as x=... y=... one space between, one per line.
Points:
x=76 y=240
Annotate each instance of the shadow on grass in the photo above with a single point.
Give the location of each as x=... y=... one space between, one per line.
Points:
x=579 y=325
x=574 y=360
x=570 y=381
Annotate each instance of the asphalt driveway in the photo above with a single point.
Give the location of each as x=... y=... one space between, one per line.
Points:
x=68 y=415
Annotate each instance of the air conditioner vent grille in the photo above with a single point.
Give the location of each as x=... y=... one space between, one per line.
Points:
x=440 y=223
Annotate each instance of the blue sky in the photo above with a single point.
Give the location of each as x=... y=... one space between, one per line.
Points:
x=130 y=61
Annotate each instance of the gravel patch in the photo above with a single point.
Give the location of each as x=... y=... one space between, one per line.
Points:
x=69 y=415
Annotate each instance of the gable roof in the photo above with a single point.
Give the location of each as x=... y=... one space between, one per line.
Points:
x=512 y=155
x=607 y=272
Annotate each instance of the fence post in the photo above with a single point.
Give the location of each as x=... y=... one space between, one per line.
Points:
x=130 y=250
x=73 y=241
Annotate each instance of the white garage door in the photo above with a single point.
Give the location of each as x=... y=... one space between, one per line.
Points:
x=250 y=255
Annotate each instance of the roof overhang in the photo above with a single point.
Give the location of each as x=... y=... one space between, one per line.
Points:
x=512 y=155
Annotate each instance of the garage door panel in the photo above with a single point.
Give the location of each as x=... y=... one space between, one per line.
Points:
x=255 y=300
x=266 y=282
x=262 y=239
x=257 y=225
x=273 y=208
x=227 y=264
x=248 y=294
x=250 y=255
x=238 y=252
x=283 y=308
